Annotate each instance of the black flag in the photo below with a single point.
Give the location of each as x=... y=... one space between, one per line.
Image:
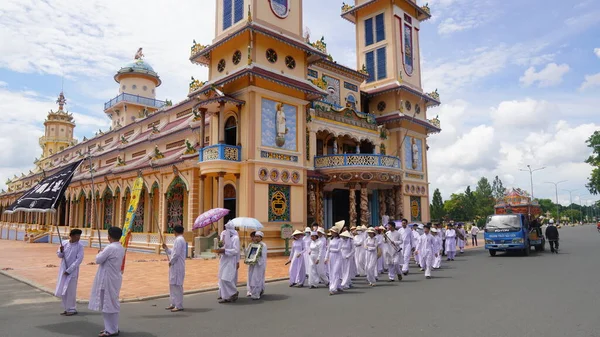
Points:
x=44 y=196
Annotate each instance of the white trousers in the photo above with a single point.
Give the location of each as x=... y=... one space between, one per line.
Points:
x=427 y=263
x=176 y=293
x=111 y=322
x=69 y=299
x=405 y=259
x=227 y=289
x=395 y=267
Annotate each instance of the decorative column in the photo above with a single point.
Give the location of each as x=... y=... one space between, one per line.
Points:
x=202 y=128
x=352 y=200
x=237 y=194
x=193 y=193
x=220 y=201
x=391 y=204
x=206 y=230
x=399 y=203
x=364 y=205
x=221 y=123
x=320 y=205
x=312 y=201
x=238 y=129
x=382 y=205
x=151 y=210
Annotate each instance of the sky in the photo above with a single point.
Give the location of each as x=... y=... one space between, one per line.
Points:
x=519 y=80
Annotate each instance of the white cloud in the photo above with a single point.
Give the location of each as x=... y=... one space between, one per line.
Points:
x=590 y=81
x=449 y=25
x=597 y=52
x=528 y=113
x=551 y=75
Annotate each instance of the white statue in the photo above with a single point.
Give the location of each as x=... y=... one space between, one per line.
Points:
x=335 y=146
x=139 y=55
x=280 y=126
x=415 y=154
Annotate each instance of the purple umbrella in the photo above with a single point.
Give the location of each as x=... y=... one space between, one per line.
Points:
x=210 y=216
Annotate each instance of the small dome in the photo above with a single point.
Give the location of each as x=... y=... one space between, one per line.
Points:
x=140 y=67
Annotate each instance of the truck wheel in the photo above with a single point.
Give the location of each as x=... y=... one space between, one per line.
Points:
x=492 y=252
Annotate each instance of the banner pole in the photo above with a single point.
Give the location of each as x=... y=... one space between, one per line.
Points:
x=93 y=210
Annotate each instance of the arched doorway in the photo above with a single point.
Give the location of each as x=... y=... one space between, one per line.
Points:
x=366 y=147
x=138 y=220
x=175 y=197
x=108 y=206
x=229 y=201
x=231 y=131
x=88 y=210
x=125 y=203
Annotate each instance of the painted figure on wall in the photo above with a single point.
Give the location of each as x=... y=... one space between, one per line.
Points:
x=278 y=125
x=413 y=154
x=333 y=90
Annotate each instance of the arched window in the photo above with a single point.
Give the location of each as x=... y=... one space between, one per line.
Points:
x=229 y=201
x=231 y=131
x=351 y=101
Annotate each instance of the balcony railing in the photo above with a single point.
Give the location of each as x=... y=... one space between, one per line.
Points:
x=221 y=152
x=349 y=160
x=147 y=101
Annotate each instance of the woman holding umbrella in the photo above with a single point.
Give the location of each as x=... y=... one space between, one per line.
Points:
x=296 y=261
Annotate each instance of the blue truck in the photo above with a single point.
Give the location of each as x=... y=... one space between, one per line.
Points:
x=505 y=232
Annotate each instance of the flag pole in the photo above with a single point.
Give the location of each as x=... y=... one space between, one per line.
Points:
x=60 y=240
x=93 y=210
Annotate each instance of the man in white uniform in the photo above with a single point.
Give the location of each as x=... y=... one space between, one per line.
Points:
x=359 y=250
x=395 y=249
x=71 y=253
x=407 y=245
x=176 y=269
x=107 y=284
x=229 y=264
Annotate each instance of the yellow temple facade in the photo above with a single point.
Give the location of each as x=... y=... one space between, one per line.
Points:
x=279 y=132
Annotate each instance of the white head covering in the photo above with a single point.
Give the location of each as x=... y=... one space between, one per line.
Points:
x=259 y=233
x=229 y=225
x=321 y=230
x=307 y=230
x=434 y=230
x=551 y=221
x=346 y=235
x=314 y=234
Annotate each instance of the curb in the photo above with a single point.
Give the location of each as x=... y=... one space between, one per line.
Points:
x=129 y=300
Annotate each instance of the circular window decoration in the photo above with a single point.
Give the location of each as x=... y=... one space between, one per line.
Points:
x=145 y=88
x=407 y=105
x=285 y=176
x=123 y=87
x=271 y=55
x=281 y=8
x=152 y=90
x=134 y=87
x=274 y=175
x=237 y=57
x=381 y=106
x=263 y=174
x=295 y=177
x=290 y=62
x=417 y=108
x=221 y=65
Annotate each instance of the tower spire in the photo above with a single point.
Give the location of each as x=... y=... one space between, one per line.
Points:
x=61 y=101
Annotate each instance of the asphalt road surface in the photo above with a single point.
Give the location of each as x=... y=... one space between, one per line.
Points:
x=474 y=296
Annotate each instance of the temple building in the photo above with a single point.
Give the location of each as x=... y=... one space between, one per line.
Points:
x=279 y=131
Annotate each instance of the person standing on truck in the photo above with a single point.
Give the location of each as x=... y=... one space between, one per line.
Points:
x=552 y=236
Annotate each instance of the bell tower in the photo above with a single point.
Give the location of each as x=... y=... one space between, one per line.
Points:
x=58 y=127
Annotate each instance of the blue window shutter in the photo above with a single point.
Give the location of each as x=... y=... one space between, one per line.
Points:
x=381 y=64
x=368 y=32
x=380 y=27
x=226 y=14
x=239 y=11
x=371 y=66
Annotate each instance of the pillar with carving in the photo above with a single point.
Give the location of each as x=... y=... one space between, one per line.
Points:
x=352 y=187
x=391 y=204
x=220 y=201
x=382 y=206
x=364 y=205
x=320 y=205
x=399 y=203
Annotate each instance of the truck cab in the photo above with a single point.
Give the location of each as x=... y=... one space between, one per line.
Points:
x=504 y=232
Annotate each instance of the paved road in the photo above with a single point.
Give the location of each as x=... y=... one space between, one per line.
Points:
x=477 y=295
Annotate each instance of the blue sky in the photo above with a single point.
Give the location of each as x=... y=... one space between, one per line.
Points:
x=519 y=80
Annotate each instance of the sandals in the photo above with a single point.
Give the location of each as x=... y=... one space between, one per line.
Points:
x=176 y=309
x=171 y=307
x=70 y=313
x=106 y=334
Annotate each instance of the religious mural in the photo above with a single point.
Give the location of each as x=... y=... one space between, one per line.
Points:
x=408 y=49
x=175 y=204
x=279 y=125
x=279 y=203
x=413 y=154
x=138 y=220
x=333 y=90
x=108 y=210
x=415 y=208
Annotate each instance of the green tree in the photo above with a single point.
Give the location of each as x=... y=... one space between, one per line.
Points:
x=455 y=207
x=572 y=214
x=547 y=205
x=497 y=188
x=469 y=204
x=484 y=198
x=437 y=205
x=593 y=142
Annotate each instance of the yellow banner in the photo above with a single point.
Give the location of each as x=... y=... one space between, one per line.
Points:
x=133 y=204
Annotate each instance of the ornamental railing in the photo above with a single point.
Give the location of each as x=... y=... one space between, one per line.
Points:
x=124 y=97
x=220 y=152
x=349 y=160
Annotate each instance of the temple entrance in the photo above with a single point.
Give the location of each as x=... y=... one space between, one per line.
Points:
x=340 y=200
x=138 y=221
x=175 y=197
x=108 y=208
x=229 y=202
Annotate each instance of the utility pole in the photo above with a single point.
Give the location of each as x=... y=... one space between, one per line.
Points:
x=571 y=200
x=531 y=181
x=556 y=193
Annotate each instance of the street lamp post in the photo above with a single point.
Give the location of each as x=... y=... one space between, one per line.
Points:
x=571 y=200
x=531 y=181
x=556 y=193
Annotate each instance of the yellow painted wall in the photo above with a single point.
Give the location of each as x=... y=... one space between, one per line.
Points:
x=140 y=83
x=291 y=25
x=414 y=79
x=225 y=52
x=262 y=43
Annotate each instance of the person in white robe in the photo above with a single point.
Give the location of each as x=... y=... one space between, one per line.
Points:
x=359 y=256
x=314 y=255
x=380 y=241
x=333 y=260
x=371 y=256
x=427 y=251
x=461 y=242
x=450 y=242
x=176 y=269
x=415 y=242
x=407 y=245
x=297 y=270
x=256 y=272
x=395 y=246
x=306 y=240
x=322 y=268
x=71 y=253
x=347 y=253
x=107 y=283
x=228 y=264
x=353 y=271
x=437 y=247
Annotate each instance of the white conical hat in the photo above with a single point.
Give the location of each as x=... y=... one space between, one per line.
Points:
x=346 y=235
x=296 y=232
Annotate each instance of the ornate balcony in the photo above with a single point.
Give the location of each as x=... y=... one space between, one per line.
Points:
x=353 y=160
x=136 y=99
x=221 y=152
